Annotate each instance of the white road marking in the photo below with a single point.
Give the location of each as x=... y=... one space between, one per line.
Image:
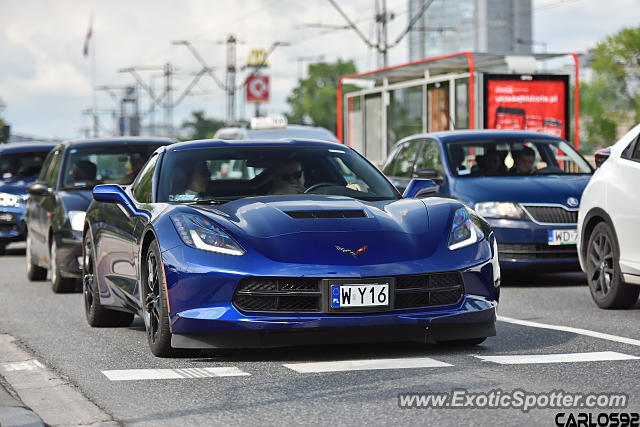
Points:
x=164 y=374
x=522 y=359
x=579 y=331
x=27 y=365
x=369 y=364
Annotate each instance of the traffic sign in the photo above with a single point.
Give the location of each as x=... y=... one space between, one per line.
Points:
x=257 y=89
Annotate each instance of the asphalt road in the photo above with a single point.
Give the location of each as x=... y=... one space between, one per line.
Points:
x=54 y=329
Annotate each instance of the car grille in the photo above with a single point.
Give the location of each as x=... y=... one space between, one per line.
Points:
x=536 y=251
x=552 y=214
x=295 y=294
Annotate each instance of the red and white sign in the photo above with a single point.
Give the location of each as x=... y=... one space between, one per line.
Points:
x=535 y=105
x=257 y=89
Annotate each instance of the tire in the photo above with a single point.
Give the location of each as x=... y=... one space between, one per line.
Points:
x=606 y=283
x=35 y=273
x=464 y=343
x=96 y=314
x=59 y=284
x=154 y=299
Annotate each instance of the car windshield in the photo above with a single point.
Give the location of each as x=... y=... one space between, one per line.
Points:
x=22 y=164
x=514 y=157
x=222 y=174
x=111 y=164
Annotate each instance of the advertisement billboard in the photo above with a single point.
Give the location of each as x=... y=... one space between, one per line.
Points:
x=538 y=103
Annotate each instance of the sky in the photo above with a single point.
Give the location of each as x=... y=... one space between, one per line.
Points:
x=45 y=81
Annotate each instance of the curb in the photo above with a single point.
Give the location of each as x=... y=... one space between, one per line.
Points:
x=14 y=413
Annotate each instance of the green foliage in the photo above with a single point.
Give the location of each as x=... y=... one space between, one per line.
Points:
x=611 y=101
x=201 y=127
x=315 y=96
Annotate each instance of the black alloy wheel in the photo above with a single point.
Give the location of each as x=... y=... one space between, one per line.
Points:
x=97 y=315
x=606 y=283
x=156 y=314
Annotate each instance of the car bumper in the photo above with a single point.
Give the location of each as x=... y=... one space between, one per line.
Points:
x=70 y=255
x=524 y=244
x=12 y=225
x=203 y=314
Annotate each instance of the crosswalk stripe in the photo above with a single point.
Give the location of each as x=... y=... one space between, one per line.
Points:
x=368 y=364
x=578 y=331
x=163 y=374
x=520 y=359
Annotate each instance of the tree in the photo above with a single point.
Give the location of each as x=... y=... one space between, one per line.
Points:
x=201 y=127
x=315 y=96
x=610 y=102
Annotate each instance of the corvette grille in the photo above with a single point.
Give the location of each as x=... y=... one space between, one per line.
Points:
x=552 y=214
x=301 y=294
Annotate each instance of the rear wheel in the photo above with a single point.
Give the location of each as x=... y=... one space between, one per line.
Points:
x=34 y=271
x=96 y=314
x=606 y=283
x=156 y=314
x=59 y=284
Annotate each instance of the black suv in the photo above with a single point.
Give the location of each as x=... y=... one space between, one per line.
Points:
x=59 y=198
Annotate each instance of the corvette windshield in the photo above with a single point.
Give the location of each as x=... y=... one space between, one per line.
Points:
x=513 y=157
x=220 y=173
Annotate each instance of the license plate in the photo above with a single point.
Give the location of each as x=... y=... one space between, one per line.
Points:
x=562 y=237
x=365 y=295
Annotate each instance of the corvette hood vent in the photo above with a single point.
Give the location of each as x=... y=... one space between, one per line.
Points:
x=327 y=214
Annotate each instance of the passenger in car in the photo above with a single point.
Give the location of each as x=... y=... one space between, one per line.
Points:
x=523 y=161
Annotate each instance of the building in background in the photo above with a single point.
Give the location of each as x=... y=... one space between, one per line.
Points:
x=448 y=26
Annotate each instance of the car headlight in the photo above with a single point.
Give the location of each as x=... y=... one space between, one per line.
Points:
x=76 y=218
x=500 y=210
x=200 y=233
x=465 y=229
x=8 y=199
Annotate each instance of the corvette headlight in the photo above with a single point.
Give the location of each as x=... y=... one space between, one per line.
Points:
x=200 y=233
x=8 y=199
x=465 y=229
x=76 y=218
x=500 y=210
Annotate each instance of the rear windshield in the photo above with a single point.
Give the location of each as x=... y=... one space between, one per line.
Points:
x=22 y=164
x=513 y=157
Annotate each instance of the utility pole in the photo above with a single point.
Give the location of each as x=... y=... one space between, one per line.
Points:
x=382 y=17
x=231 y=78
x=168 y=104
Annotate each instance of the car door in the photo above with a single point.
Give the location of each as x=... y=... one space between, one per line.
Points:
x=623 y=205
x=119 y=243
x=40 y=208
x=400 y=167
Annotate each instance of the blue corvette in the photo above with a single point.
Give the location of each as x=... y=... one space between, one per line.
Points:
x=310 y=244
x=526 y=185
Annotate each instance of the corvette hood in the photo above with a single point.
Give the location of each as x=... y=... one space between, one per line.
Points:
x=552 y=189
x=331 y=230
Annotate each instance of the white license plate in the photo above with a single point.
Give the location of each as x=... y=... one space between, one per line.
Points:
x=562 y=237
x=369 y=295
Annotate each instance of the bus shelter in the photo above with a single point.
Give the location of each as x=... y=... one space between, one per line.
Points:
x=463 y=90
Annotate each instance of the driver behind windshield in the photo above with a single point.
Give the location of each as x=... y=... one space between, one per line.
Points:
x=288 y=178
x=523 y=161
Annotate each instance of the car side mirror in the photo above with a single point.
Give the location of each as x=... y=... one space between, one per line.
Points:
x=111 y=193
x=39 y=189
x=419 y=188
x=429 y=173
x=601 y=155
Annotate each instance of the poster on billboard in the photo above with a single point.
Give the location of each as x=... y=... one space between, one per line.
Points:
x=538 y=103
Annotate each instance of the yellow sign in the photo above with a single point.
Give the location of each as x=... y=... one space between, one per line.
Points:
x=257 y=58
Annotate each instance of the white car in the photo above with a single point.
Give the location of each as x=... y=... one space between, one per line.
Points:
x=609 y=226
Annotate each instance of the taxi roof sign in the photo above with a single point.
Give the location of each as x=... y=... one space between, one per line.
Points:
x=273 y=122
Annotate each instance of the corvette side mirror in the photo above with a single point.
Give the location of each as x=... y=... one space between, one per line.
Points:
x=419 y=187
x=111 y=193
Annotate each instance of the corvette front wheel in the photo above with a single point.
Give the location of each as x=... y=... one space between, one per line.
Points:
x=156 y=314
